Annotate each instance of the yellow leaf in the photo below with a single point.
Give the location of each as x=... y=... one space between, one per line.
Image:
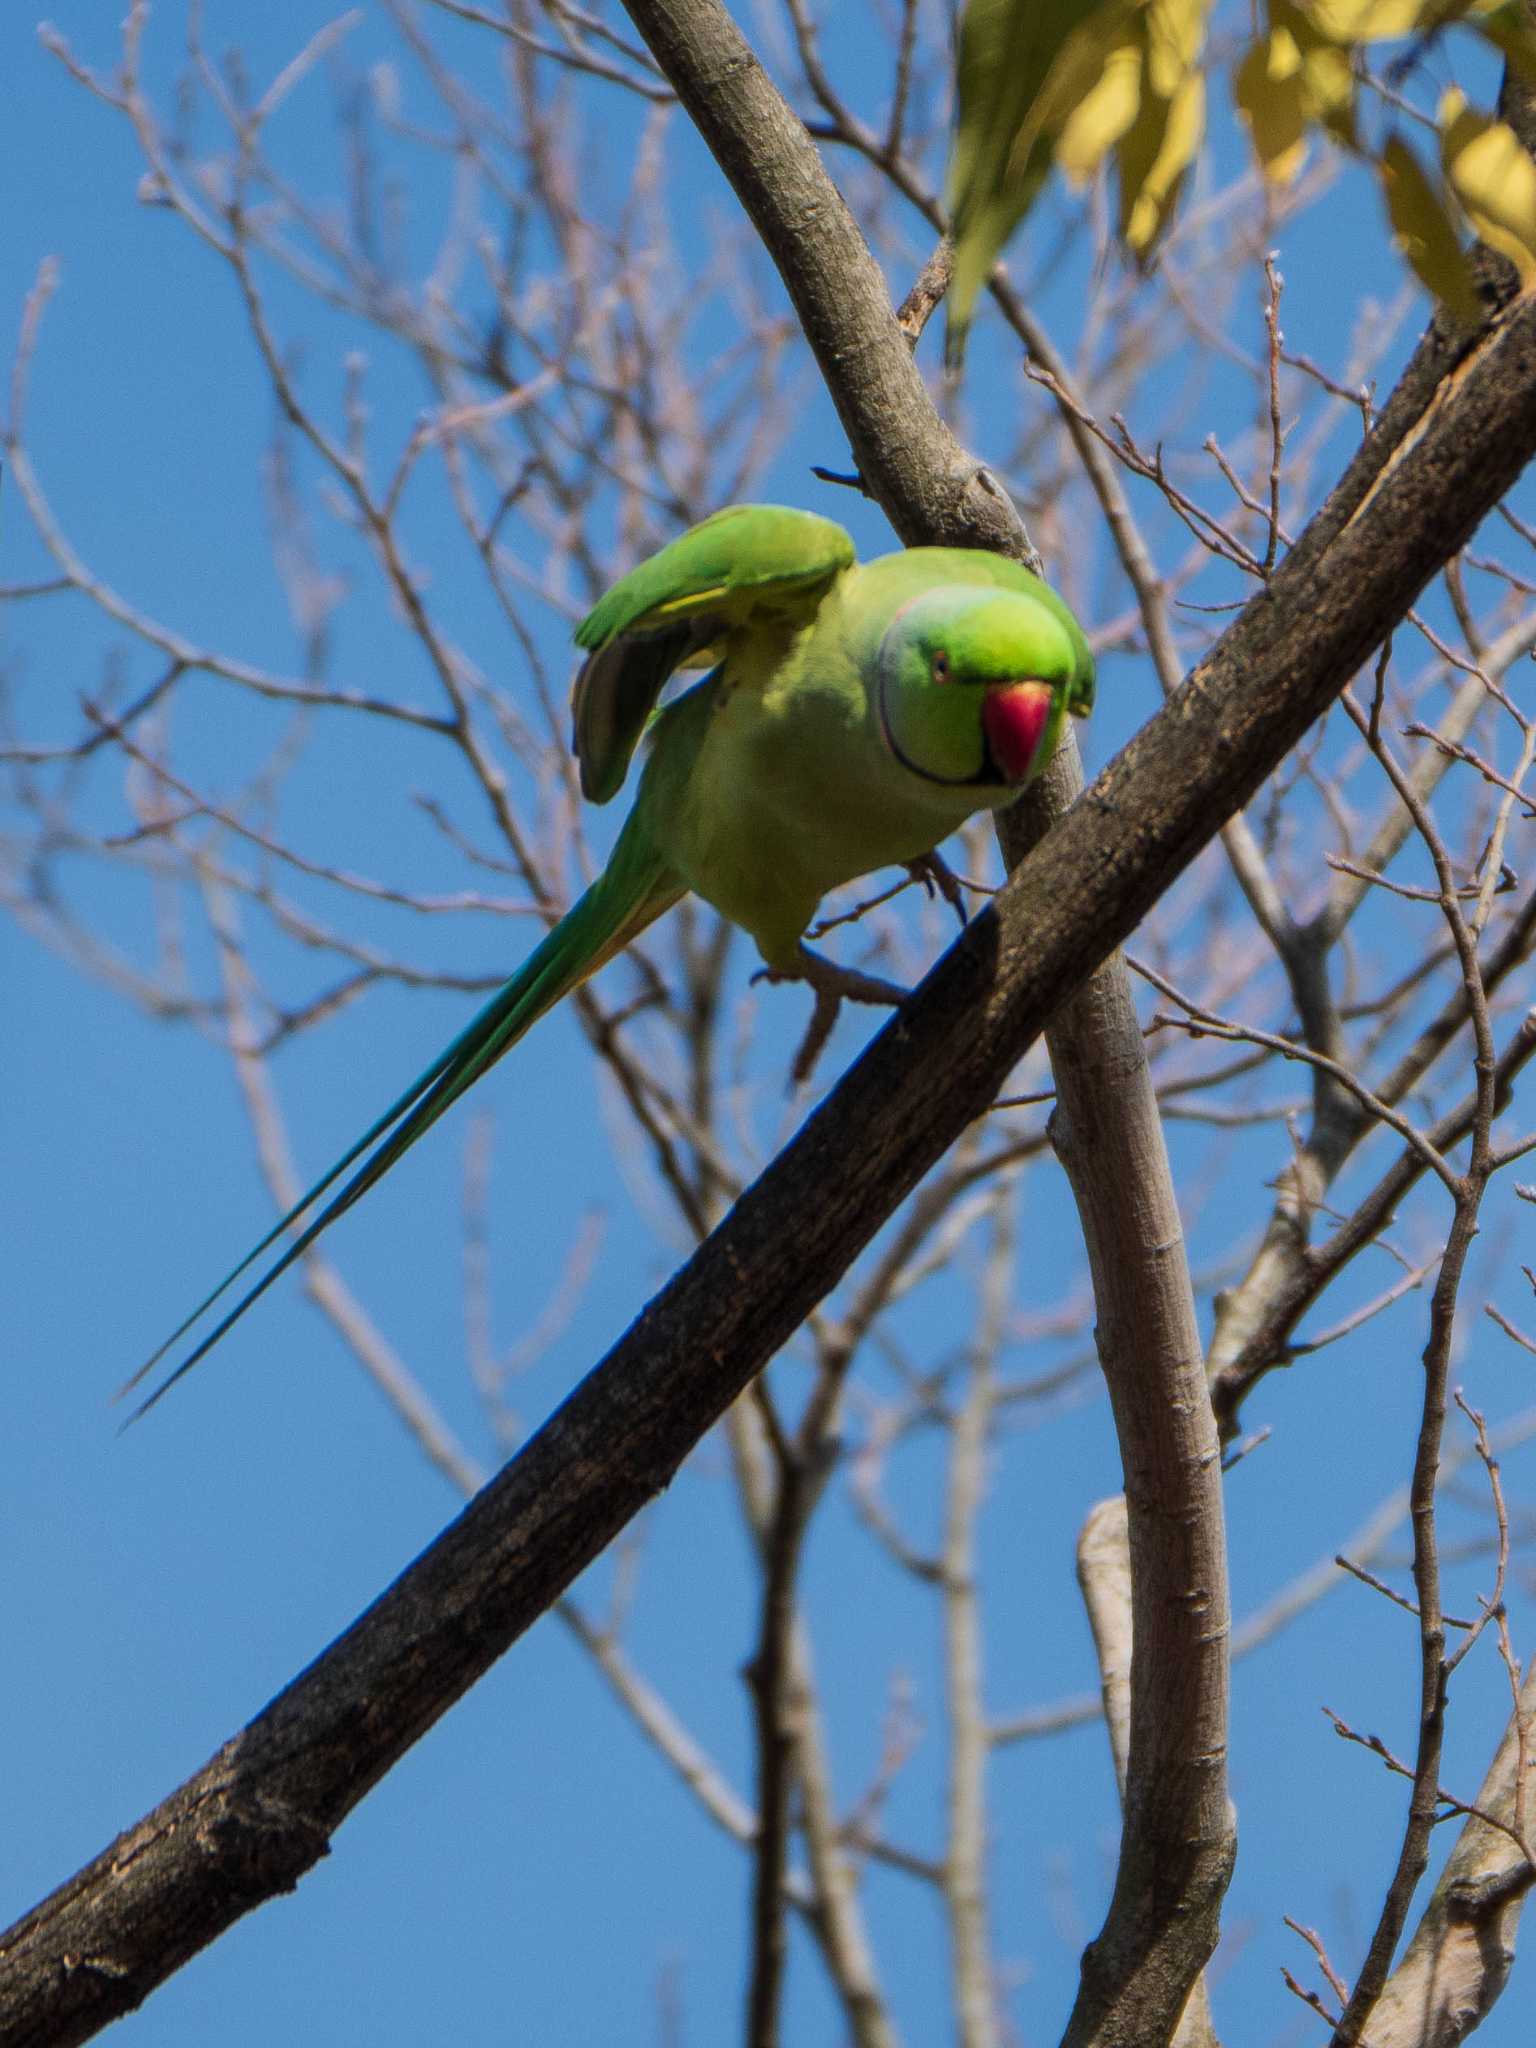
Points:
x=1104 y=113
x=1077 y=68
x=1175 y=32
x=1377 y=21
x=1327 y=71
x=1329 y=82
x=1270 y=90
x=1493 y=177
x=1424 y=230
x=1282 y=52
x=1153 y=157
x=1008 y=52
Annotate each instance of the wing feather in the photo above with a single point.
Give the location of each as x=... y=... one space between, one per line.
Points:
x=673 y=610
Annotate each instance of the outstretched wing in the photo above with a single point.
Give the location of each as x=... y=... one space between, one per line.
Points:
x=673 y=611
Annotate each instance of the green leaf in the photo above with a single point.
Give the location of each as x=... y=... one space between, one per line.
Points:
x=1022 y=67
x=1153 y=158
x=1271 y=94
x=1104 y=113
x=1425 y=230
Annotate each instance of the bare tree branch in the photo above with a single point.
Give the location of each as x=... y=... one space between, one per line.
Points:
x=1458 y=1962
x=1104 y=1574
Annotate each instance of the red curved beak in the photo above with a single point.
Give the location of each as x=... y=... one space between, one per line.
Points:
x=1014 y=717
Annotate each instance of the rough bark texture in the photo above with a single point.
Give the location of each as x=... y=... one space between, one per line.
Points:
x=1104 y=1574
x=1178 y=1840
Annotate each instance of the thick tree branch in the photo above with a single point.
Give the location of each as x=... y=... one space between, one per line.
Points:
x=925 y=482
x=1458 y=1962
x=1104 y=1574
x=1177 y=1841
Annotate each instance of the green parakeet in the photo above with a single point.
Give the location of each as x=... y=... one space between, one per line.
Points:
x=853 y=716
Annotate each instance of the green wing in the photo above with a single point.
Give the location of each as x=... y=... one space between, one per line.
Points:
x=671 y=612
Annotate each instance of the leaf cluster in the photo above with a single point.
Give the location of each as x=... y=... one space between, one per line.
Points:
x=1079 y=84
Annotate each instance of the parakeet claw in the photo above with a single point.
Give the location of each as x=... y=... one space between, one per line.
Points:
x=833 y=986
x=939 y=878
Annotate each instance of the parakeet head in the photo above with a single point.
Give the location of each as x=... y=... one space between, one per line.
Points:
x=976 y=681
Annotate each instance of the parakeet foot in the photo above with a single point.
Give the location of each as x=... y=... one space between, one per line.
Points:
x=938 y=877
x=833 y=986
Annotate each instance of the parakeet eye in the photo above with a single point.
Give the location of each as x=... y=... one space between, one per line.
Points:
x=940 y=667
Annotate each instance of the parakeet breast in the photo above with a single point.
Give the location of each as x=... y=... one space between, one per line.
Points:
x=792 y=791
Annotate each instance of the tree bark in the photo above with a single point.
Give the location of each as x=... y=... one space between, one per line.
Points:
x=1456 y=1965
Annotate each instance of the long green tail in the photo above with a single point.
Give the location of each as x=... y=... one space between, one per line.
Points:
x=632 y=890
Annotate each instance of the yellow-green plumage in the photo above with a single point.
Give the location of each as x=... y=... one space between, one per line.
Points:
x=854 y=717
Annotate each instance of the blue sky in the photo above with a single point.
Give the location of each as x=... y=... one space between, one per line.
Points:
x=531 y=1870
